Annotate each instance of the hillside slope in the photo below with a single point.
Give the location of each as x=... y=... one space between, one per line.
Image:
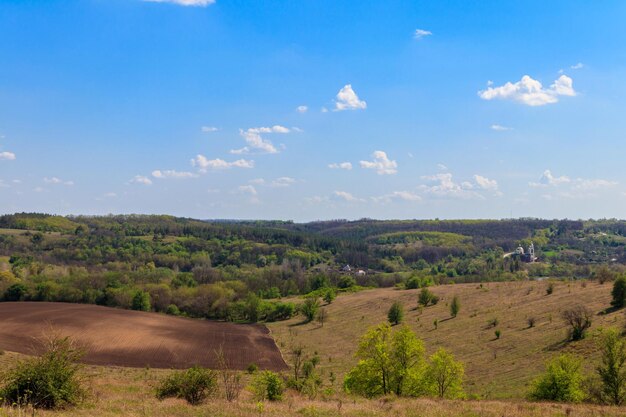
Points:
x=494 y=368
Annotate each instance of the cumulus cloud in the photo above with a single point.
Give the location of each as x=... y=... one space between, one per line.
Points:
x=547 y=179
x=140 y=179
x=577 y=66
x=571 y=188
x=500 y=128
x=204 y=164
x=341 y=165
x=381 y=163
x=485 y=183
x=209 y=129
x=346 y=196
x=302 y=109
x=276 y=183
x=398 y=195
x=196 y=3
x=530 y=92
x=9 y=156
x=421 y=33
x=172 y=174
x=247 y=189
x=56 y=180
x=254 y=140
x=442 y=185
x=347 y=99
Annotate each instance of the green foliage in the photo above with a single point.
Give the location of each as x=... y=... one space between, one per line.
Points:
x=194 y=385
x=550 y=288
x=16 y=292
x=561 y=382
x=309 y=308
x=329 y=295
x=346 y=281
x=141 y=301
x=455 y=306
x=445 y=375
x=50 y=381
x=388 y=363
x=252 y=368
x=172 y=310
x=619 y=292
x=396 y=313
x=612 y=370
x=425 y=297
x=498 y=333
x=268 y=385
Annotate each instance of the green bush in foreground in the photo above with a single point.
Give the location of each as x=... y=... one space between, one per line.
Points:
x=268 y=385
x=50 y=381
x=561 y=382
x=194 y=385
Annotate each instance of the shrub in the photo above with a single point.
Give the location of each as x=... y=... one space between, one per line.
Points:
x=493 y=322
x=425 y=297
x=50 y=381
x=309 y=308
x=268 y=385
x=445 y=375
x=172 y=310
x=455 y=306
x=16 y=292
x=346 y=281
x=252 y=368
x=194 y=385
x=434 y=299
x=498 y=333
x=329 y=295
x=396 y=313
x=579 y=318
x=531 y=321
x=141 y=301
x=612 y=370
x=550 y=288
x=231 y=378
x=562 y=381
x=619 y=292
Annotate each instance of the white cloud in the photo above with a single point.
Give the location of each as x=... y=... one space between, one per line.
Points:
x=170 y=173
x=110 y=195
x=577 y=66
x=341 y=165
x=282 y=182
x=500 y=128
x=302 y=109
x=381 y=163
x=255 y=141
x=420 y=33
x=399 y=195
x=348 y=100
x=444 y=186
x=547 y=179
x=204 y=164
x=258 y=181
x=324 y=110
x=140 y=179
x=209 y=129
x=196 y=3
x=442 y=167
x=9 y=156
x=247 y=189
x=485 y=183
x=55 y=180
x=587 y=185
x=530 y=92
x=346 y=196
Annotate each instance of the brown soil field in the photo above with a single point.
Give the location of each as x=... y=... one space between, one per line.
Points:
x=136 y=339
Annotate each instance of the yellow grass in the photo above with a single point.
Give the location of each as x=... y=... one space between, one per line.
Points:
x=495 y=369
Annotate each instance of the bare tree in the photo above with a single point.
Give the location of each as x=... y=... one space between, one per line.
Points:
x=579 y=318
x=321 y=316
x=231 y=379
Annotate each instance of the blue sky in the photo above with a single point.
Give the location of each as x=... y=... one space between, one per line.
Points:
x=313 y=109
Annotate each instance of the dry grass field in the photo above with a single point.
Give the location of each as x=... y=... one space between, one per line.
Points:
x=495 y=369
x=137 y=339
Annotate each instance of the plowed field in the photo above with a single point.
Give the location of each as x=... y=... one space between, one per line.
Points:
x=137 y=339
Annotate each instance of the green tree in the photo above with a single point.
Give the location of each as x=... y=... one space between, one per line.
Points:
x=329 y=295
x=310 y=308
x=562 y=381
x=141 y=301
x=612 y=370
x=445 y=375
x=268 y=385
x=388 y=363
x=619 y=292
x=455 y=306
x=425 y=297
x=396 y=313
x=16 y=292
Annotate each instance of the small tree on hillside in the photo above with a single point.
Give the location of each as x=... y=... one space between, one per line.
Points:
x=612 y=370
x=579 y=318
x=619 y=292
x=561 y=382
x=141 y=301
x=310 y=308
x=396 y=313
x=329 y=295
x=321 y=316
x=425 y=297
x=455 y=306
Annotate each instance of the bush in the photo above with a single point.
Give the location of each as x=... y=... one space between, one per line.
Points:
x=50 y=381
x=268 y=385
x=531 y=321
x=612 y=370
x=194 y=385
x=16 y=292
x=396 y=313
x=141 y=301
x=619 y=292
x=172 y=310
x=252 y=368
x=309 y=308
x=561 y=382
x=329 y=295
x=498 y=333
x=425 y=297
x=455 y=306
x=550 y=288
